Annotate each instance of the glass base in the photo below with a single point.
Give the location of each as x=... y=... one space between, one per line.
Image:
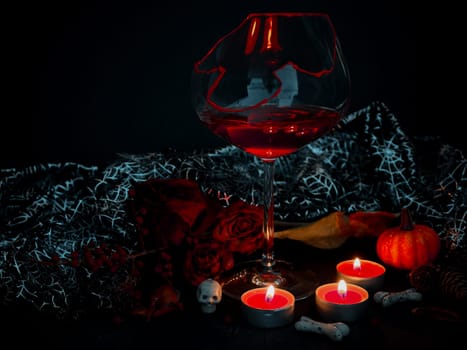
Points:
x=251 y=274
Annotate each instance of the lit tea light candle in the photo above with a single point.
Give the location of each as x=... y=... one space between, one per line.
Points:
x=365 y=273
x=341 y=302
x=268 y=307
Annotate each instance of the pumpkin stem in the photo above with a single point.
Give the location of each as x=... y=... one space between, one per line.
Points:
x=406 y=220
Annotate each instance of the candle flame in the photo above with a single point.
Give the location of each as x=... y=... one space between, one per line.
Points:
x=357 y=265
x=342 y=288
x=269 y=293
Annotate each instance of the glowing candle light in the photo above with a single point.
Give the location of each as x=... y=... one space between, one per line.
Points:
x=341 y=301
x=268 y=307
x=269 y=294
x=365 y=273
x=342 y=288
x=357 y=265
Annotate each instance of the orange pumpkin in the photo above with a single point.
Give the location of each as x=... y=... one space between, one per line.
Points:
x=409 y=245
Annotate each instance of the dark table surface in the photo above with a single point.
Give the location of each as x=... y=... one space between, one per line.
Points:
x=394 y=327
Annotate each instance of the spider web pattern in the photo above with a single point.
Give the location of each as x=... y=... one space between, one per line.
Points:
x=368 y=163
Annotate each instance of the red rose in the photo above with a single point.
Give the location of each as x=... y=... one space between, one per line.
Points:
x=164 y=210
x=181 y=196
x=163 y=229
x=202 y=229
x=240 y=226
x=171 y=213
x=206 y=260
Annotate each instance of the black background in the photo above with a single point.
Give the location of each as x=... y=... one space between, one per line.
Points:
x=87 y=80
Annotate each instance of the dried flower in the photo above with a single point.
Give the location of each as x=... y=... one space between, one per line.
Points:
x=206 y=260
x=176 y=218
x=240 y=227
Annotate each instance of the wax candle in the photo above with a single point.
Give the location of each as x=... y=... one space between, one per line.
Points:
x=341 y=302
x=365 y=273
x=268 y=307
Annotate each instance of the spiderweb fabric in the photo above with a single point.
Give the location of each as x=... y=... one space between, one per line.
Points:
x=368 y=163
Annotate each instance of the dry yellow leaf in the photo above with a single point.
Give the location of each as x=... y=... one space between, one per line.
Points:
x=333 y=230
x=328 y=232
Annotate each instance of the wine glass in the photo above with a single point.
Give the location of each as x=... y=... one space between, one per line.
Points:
x=272 y=85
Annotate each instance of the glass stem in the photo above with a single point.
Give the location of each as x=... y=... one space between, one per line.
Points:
x=268 y=221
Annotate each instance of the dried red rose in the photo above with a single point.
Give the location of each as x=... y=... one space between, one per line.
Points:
x=240 y=227
x=164 y=210
x=206 y=260
x=176 y=213
x=181 y=196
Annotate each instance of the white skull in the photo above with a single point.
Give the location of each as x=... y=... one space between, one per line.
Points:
x=209 y=294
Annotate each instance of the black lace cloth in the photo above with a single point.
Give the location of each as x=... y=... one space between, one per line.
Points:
x=368 y=163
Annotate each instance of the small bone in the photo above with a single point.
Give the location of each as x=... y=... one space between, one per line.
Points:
x=387 y=299
x=378 y=297
x=336 y=331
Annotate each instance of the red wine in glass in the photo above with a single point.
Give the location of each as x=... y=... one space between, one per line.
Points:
x=271 y=132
